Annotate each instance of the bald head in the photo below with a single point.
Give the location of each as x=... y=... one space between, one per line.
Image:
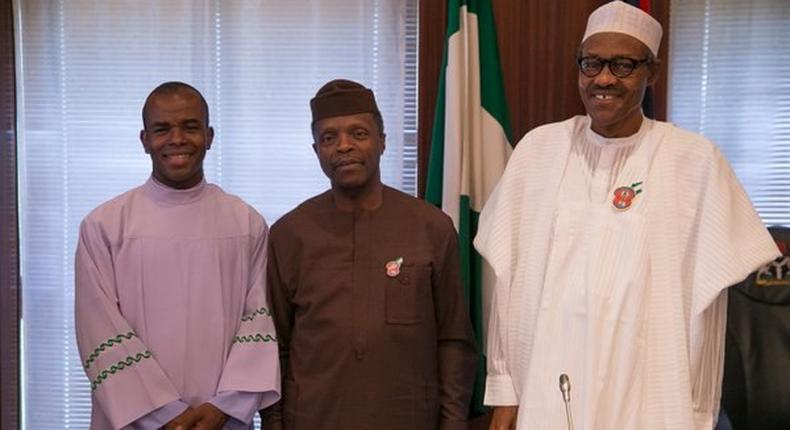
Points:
x=174 y=87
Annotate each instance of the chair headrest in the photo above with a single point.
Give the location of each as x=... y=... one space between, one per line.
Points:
x=770 y=283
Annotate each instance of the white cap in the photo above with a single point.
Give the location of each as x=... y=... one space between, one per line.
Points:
x=619 y=17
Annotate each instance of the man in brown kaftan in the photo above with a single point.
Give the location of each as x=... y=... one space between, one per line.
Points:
x=365 y=290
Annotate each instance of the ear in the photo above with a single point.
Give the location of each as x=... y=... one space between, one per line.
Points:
x=315 y=148
x=655 y=72
x=144 y=141
x=383 y=143
x=209 y=138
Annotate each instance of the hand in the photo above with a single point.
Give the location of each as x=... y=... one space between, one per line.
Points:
x=204 y=417
x=181 y=422
x=503 y=418
x=209 y=417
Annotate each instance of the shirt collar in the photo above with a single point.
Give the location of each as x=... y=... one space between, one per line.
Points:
x=162 y=193
x=597 y=139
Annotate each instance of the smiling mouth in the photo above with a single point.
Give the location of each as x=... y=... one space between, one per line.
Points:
x=177 y=160
x=177 y=156
x=603 y=96
x=346 y=163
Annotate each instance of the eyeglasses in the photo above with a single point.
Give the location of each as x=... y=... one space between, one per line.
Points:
x=621 y=67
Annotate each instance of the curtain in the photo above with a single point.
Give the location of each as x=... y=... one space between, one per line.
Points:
x=729 y=81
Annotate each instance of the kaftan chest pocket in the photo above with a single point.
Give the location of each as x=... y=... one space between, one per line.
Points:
x=407 y=294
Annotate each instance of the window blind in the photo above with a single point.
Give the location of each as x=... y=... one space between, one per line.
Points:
x=729 y=81
x=84 y=70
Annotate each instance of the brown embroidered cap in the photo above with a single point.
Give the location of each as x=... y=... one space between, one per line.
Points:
x=342 y=97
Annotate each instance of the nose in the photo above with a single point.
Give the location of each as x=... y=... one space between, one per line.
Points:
x=177 y=135
x=344 y=143
x=605 y=78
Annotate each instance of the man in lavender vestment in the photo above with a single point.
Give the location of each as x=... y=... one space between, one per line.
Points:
x=171 y=317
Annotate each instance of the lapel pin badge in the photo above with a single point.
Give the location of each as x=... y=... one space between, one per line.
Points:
x=393 y=267
x=624 y=196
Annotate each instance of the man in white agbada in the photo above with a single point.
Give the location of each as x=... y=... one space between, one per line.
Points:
x=612 y=238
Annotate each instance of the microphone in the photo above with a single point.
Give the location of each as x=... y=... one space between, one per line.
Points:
x=565 y=389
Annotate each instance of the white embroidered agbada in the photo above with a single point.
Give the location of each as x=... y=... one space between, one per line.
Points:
x=626 y=302
x=171 y=306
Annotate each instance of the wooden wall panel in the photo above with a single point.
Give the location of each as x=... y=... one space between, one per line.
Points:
x=660 y=10
x=537 y=45
x=9 y=261
x=433 y=24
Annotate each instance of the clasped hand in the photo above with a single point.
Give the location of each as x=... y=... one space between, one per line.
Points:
x=203 y=417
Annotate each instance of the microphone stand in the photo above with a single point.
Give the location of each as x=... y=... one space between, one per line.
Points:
x=565 y=389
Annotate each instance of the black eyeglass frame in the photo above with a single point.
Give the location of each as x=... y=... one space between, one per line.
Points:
x=608 y=63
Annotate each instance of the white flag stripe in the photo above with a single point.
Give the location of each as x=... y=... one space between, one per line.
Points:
x=475 y=144
x=490 y=152
x=455 y=105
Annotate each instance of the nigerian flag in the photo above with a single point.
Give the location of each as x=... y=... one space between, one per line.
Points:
x=470 y=144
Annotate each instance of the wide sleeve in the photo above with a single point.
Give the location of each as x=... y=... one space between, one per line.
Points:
x=708 y=365
x=500 y=390
x=730 y=242
x=280 y=303
x=126 y=381
x=493 y=242
x=252 y=365
x=456 y=343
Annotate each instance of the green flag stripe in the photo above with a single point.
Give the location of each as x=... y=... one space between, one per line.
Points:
x=435 y=177
x=453 y=20
x=494 y=104
x=491 y=86
x=435 y=180
x=472 y=278
x=453 y=17
x=492 y=89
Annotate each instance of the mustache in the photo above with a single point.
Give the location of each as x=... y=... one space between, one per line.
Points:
x=603 y=87
x=341 y=161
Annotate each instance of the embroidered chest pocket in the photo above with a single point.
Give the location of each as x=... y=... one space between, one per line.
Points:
x=407 y=294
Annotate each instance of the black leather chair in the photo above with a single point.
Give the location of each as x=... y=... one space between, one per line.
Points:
x=756 y=390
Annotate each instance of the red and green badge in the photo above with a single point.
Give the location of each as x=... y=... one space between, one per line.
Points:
x=393 y=267
x=624 y=196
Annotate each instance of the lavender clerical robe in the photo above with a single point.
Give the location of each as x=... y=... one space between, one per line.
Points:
x=170 y=304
